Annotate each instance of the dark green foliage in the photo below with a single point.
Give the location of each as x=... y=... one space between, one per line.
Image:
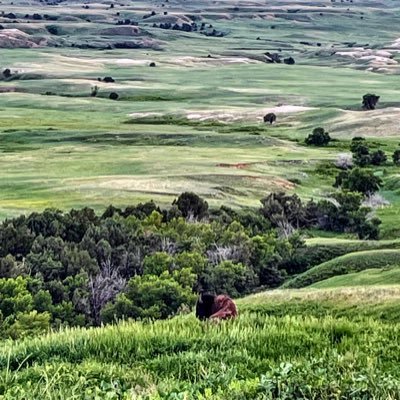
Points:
x=191 y=205
x=319 y=137
x=343 y=212
x=150 y=296
x=52 y=29
x=396 y=157
x=359 y=180
x=361 y=152
x=378 y=157
x=78 y=264
x=362 y=155
x=280 y=208
x=82 y=269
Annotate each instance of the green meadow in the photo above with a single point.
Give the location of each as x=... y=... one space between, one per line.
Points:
x=194 y=122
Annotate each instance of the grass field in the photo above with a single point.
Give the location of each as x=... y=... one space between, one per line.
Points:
x=261 y=355
x=389 y=276
x=194 y=122
x=68 y=149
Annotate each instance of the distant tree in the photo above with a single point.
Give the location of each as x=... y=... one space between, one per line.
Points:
x=191 y=205
x=52 y=29
x=280 y=208
x=359 y=180
x=343 y=212
x=378 y=157
x=319 y=137
x=396 y=157
x=361 y=153
x=355 y=142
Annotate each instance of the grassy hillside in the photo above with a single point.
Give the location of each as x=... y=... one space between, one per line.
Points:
x=357 y=303
x=390 y=276
x=319 y=250
x=352 y=262
x=257 y=356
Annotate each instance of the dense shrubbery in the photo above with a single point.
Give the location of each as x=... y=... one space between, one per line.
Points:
x=81 y=269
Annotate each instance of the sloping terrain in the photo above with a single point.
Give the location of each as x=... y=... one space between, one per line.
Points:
x=351 y=262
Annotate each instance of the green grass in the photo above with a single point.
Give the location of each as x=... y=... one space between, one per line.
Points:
x=69 y=150
x=255 y=357
x=379 y=302
x=389 y=276
x=352 y=262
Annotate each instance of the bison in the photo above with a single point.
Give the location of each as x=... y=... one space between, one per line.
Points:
x=370 y=101
x=210 y=306
x=271 y=118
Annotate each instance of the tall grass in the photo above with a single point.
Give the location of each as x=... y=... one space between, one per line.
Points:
x=254 y=357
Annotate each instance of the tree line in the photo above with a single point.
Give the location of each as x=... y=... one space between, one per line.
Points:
x=78 y=268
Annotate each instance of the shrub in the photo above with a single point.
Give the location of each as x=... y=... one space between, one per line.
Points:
x=191 y=205
x=319 y=137
x=359 y=180
x=378 y=157
x=396 y=157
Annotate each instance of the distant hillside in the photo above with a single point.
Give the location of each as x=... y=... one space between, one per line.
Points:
x=348 y=263
x=369 y=277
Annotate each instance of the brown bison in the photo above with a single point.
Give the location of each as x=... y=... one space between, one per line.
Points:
x=210 y=306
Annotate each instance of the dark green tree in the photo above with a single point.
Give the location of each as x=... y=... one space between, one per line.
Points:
x=378 y=157
x=191 y=205
x=396 y=157
x=319 y=137
x=359 y=180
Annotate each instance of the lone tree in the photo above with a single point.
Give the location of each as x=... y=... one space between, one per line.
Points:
x=396 y=157
x=319 y=137
x=370 y=101
x=270 y=118
x=191 y=205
